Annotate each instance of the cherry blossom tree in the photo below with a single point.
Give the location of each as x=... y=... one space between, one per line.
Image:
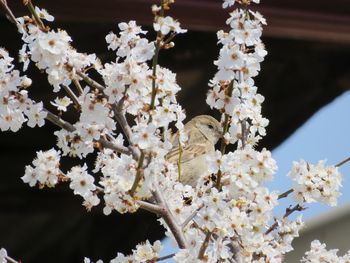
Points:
x=228 y=216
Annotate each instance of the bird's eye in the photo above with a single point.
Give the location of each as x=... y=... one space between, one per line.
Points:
x=210 y=126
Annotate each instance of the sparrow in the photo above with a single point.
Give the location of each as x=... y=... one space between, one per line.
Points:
x=203 y=133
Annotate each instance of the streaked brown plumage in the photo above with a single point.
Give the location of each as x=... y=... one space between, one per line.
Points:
x=203 y=132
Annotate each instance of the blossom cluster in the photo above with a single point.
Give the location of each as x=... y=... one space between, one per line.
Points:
x=15 y=106
x=144 y=252
x=233 y=91
x=45 y=170
x=51 y=51
x=315 y=183
x=228 y=215
x=236 y=217
x=319 y=253
x=96 y=120
x=82 y=184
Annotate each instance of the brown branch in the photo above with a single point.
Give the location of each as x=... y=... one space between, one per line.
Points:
x=117 y=109
x=342 y=162
x=204 y=245
x=69 y=127
x=195 y=212
x=72 y=96
x=92 y=83
x=11 y=260
x=9 y=15
x=139 y=174
x=226 y=125
x=170 y=220
x=289 y=211
x=164 y=258
x=31 y=8
x=78 y=86
x=285 y=194
x=112 y=146
x=155 y=209
x=120 y=117
x=59 y=122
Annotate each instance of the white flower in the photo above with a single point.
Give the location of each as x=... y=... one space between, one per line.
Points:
x=143 y=50
x=228 y=3
x=167 y=24
x=43 y=14
x=319 y=253
x=96 y=112
x=90 y=201
x=24 y=57
x=3 y=255
x=30 y=176
x=131 y=28
x=82 y=183
x=144 y=135
x=36 y=115
x=62 y=103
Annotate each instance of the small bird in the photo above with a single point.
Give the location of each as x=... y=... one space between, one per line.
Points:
x=203 y=133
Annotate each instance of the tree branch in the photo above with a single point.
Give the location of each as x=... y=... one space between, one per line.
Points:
x=285 y=194
x=165 y=257
x=72 y=95
x=155 y=209
x=204 y=245
x=9 y=15
x=342 y=162
x=170 y=220
x=195 y=212
x=92 y=83
x=69 y=127
x=289 y=211
x=11 y=260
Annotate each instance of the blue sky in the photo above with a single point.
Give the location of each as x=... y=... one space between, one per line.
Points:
x=326 y=135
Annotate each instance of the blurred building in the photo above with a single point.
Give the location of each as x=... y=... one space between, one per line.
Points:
x=331 y=228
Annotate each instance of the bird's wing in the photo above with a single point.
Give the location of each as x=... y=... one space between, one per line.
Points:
x=189 y=152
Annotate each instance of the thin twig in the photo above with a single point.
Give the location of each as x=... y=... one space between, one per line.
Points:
x=155 y=209
x=72 y=96
x=342 y=162
x=92 y=83
x=69 y=127
x=119 y=114
x=225 y=129
x=289 y=211
x=59 y=122
x=118 y=111
x=285 y=194
x=139 y=174
x=112 y=146
x=120 y=117
x=37 y=19
x=11 y=260
x=165 y=257
x=9 y=15
x=204 y=245
x=78 y=86
x=155 y=63
x=195 y=212
x=179 y=160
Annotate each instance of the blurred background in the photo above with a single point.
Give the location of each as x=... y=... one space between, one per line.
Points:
x=304 y=79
